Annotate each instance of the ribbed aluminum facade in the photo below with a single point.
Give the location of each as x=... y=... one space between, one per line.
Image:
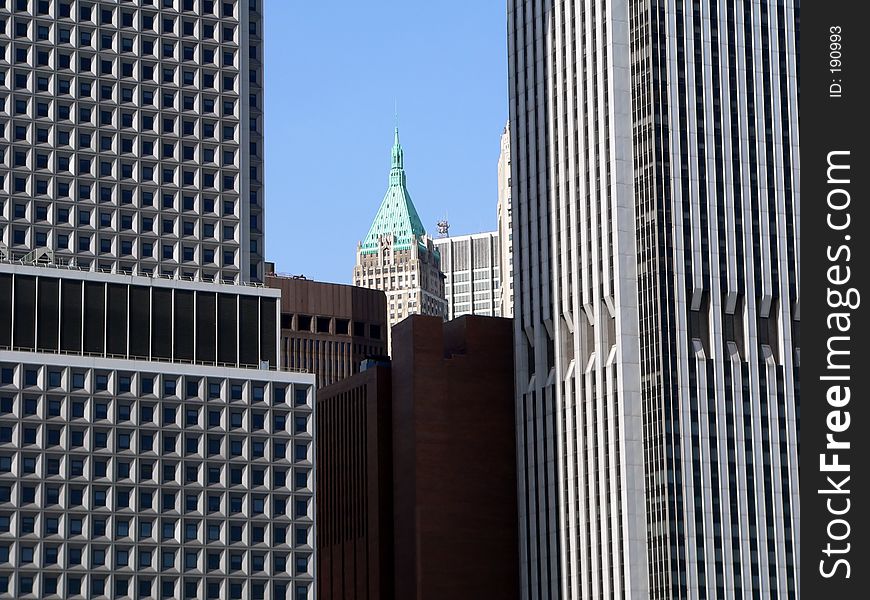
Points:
x=656 y=251
x=504 y=214
x=472 y=282
x=131 y=135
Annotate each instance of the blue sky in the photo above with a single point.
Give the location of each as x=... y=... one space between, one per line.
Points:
x=334 y=72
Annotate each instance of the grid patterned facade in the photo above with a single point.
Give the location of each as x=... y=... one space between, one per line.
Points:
x=140 y=455
x=132 y=135
x=117 y=482
x=471 y=268
x=657 y=314
x=149 y=448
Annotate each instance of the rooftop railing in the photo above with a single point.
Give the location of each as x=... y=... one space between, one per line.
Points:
x=159 y=359
x=43 y=257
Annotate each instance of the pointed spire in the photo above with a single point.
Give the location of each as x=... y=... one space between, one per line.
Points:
x=398 y=154
x=397 y=215
x=397 y=172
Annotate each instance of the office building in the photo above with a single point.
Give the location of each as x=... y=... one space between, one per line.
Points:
x=132 y=136
x=141 y=455
x=149 y=445
x=656 y=252
x=417 y=468
x=472 y=275
x=505 y=226
x=327 y=328
x=355 y=494
x=398 y=257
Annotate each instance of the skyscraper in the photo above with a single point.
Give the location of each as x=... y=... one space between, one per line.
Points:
x=149 y=445
x=656 y=252
x=505 y=225
x=133 y=136
x=398 y=257
x=471 y=274
x=145 y=450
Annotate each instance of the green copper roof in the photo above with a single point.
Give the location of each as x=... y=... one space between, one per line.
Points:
x=397 y=214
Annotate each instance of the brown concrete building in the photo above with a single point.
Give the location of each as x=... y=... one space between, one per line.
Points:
x=328 y=328
x=452 y=475
x=354 y=517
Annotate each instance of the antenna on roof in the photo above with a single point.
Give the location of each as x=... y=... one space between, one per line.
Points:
x=443 y=228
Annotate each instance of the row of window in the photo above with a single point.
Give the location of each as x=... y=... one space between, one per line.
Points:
x=98 y=586
x=120 y=528
x=110 y=194
x=140 y=97
x=58 y=112
x=224 y=31
x=123 y=222
x=206 y=80
x=140 y=148
x=163 y=501
x=24 y=183
x=145 y=441
x=212 y=473
x=34 y=134
x=145 y=250
x=186 y=416
x=145 y=223
x=63 y=9
x=146 y=384
x=164 y=559
x=43 y=56
x=147 y=471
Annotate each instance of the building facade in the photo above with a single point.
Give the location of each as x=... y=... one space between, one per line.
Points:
x=472 y=274
x=454 y=468
x=398 y=257
x=656 y=251
x=148 y=446
x=417 y=471
x=355 y=493
x=328 y=328
x=505 y=226
x=132 y=136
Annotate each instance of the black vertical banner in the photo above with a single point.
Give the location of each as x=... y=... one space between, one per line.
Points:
x=835 y=370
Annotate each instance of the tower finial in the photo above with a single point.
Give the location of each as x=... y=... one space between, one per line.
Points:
x=396 y=117
x=397 y=173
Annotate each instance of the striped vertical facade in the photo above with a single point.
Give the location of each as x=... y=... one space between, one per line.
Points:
x=656 y=210
x=472 y=270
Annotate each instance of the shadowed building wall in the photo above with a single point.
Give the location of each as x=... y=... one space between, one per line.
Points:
x=454 y=459
x=417 y=469
x=355 y=542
